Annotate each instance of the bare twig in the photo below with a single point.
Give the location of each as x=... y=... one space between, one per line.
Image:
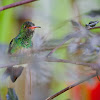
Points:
x=16 y=4
x=96 y=27
x=52 y=51
x=71 y=86
x=92 y=65
x=48 y=48
x=52 y=59
x=68 y=37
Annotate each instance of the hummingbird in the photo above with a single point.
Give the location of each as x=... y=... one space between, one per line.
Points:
x=20 y=42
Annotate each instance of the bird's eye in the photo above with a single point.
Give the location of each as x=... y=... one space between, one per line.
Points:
x=25 y=26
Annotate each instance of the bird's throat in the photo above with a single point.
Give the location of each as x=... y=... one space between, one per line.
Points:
x=26 y=42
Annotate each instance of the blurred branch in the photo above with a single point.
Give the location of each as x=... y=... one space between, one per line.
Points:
x=68 y=37
x=92 y=65
x=16 y=4
x=48 y=48
x=71 y=86
x=96 y=27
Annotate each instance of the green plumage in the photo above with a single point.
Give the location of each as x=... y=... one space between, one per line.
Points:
x=18 y=43
x=21 y=41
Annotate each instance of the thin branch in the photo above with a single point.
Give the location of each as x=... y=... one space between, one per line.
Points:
x=48 y=48
x=92 y=65
x=68 y=37
x=71 y=86
x=96 y=27
x=52 y=51
x=16 y=4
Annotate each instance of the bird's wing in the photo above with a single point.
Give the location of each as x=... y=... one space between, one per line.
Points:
x=10 y=46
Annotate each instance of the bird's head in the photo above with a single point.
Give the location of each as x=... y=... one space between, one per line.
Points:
x=28 y=28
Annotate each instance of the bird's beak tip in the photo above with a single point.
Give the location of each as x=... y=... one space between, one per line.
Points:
x=37 y=27
x=33 y=27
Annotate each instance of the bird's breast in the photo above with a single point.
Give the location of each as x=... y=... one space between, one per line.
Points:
x=25 y=50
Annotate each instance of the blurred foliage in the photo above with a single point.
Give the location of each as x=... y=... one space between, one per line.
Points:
x=6 y=29
x=7 y=20
x=60 y=12
x=11 y=95
x=63 y=9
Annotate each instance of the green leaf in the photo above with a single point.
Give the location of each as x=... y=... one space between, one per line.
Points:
x=11 y=95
